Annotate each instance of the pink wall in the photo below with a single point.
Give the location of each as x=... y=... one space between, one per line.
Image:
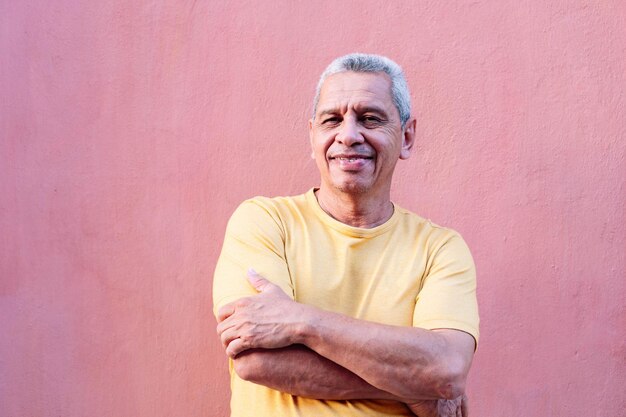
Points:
x=129 y=132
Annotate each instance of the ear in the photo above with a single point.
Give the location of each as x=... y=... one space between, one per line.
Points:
x=408 y=138
x=311 y=121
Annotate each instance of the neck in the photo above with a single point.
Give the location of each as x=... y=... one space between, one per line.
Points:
x=357 y=210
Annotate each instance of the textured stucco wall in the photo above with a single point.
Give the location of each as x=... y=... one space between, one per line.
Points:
x=129 y=131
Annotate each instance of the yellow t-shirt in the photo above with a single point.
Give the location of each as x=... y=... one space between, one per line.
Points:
x=406 y=272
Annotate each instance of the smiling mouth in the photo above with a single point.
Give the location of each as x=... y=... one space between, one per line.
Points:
x=350 y=158
x=350 y=163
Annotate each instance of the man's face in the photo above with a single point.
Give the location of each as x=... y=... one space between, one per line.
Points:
x=356 y=135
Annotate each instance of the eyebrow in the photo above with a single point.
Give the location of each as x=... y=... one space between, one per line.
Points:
x=360 y=110
x=371 y=109
x=327 y=112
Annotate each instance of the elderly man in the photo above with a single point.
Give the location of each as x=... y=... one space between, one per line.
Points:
x=338 y=302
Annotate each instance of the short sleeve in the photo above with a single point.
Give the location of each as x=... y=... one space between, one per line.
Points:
x=448 y=295
x=254 y=239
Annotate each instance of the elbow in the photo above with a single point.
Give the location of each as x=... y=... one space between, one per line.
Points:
x=450 y=381
x=451 y=389
x=438 y=381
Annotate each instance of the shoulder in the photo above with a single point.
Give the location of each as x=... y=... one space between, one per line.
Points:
x=260 y=210
x=271 y=204
x=274 y=206
x=425 y=228
x=436 y=241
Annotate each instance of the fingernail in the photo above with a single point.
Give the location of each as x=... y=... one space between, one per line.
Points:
x=252 y=271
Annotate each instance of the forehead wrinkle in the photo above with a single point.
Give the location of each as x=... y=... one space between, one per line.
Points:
x=359 y=106
x=372 y=92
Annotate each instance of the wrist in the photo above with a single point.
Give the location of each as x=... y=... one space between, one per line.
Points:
x=305 y=328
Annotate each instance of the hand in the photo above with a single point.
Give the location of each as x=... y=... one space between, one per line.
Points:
x=266 y=320
x=441 y=408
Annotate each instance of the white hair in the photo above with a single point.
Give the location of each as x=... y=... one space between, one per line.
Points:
x=357 y=62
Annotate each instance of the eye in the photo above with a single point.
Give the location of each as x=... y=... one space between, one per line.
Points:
x=331 y=120
x=370 y=120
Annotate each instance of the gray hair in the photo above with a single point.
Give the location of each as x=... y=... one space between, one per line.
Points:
x=372 y=63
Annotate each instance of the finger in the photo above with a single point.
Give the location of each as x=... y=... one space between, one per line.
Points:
x=228 y=335
x=442 y=408
x=224 y=325
x=225 y=312
x=449 y=408
x=465 y=406
x=257 y=281
x=235 y=347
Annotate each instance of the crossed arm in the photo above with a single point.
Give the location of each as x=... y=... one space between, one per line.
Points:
x=309 y=352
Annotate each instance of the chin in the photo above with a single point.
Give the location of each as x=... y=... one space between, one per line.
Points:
x=353 y=188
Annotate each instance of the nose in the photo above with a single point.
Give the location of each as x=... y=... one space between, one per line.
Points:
x=349 y=132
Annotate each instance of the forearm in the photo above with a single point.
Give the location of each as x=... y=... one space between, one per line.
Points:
x=407 y=362
x=404 y=361
x=298 y=370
